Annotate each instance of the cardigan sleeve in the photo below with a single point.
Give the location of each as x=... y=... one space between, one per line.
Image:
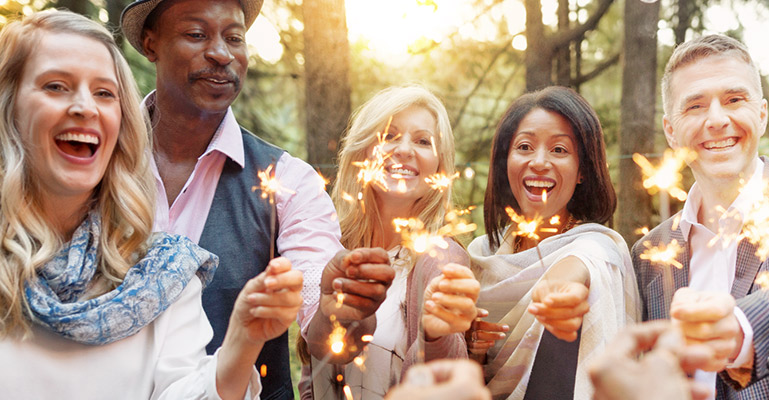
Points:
x=425 y=269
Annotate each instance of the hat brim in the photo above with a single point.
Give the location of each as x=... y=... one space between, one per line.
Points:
x=135 y=14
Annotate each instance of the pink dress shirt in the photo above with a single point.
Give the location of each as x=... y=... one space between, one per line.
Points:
x=308 y=233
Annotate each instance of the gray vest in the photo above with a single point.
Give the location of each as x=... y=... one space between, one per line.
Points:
x=238 y=231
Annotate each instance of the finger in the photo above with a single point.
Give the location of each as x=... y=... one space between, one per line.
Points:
x=283 y=314
x=457 y=271
x=287 y=280
x=726 y=328
x=382 y=273
x=279 y=299
x=483 y=345
x=693 y=357
x=541 y=310
x=363 y=255
x=573 y=295
x=564 y=325
x=459 y=304
x=371 y=290
x=696 y=306
x=569 y=335
x=483 y=336
x=467 y=287
x=456 y=322
x=639 y=338
x=482 y=313
x=490 y=326
x=278 y=266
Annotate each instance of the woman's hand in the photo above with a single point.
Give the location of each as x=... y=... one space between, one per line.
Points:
x=449 y=305
x=268 y=303
x=264 y=309
x=559 y=305
x=482 y=335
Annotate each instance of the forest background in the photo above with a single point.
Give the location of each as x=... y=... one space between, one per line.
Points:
x=313 y=62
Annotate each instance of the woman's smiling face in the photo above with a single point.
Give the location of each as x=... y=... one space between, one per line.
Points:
x=543 y=159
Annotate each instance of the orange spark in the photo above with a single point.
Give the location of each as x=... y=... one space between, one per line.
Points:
x=762 y=280
x=663 y=254
x=336 y=338
x=347 y=392
x=269 y=185
x=667 y=177
x=441 y=181
x=263 y=370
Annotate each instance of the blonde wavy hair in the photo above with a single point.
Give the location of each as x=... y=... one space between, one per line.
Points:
x=358 y=228
x=124 y=198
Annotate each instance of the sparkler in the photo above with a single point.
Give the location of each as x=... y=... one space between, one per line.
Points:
x=762 y=280
x=662 y=254
x=529 y=228
x=665 y=179
x=755 y=227
x=270 y=187
x=415 y=237
x=441 y=181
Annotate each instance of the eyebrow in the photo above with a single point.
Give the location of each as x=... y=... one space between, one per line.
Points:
x=202 y=21
x=730 y=91
x=528 y=133
x=71 y=75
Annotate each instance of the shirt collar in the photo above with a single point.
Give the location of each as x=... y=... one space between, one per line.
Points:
x=227 y=139
x=741 y=204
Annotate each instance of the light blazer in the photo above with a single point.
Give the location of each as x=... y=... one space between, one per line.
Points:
x=657 y=285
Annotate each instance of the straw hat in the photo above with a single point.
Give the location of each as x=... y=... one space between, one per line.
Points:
x=134 y=15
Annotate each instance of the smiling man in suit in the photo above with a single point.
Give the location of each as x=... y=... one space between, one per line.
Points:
x=714 y=107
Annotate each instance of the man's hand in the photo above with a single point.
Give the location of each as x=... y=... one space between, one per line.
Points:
x=449 y=302
x=362 y=276
x=621 y=373
x=708 y=318
x=559 y=305
x=268 y=303
x=442 y=379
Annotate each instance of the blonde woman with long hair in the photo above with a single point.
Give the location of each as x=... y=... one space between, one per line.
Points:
x=417 y=137
x=92 y=304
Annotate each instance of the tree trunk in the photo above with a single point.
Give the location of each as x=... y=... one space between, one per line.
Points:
x=563 y=53
x=539 y=53
x=114 y=9
x=684 y=15
x=327 y=69
x=82 y=7
x=639 y=80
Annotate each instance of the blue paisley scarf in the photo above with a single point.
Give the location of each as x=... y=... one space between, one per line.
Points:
x=149 y=287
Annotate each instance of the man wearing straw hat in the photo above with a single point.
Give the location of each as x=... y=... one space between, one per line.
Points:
x=714 y=106
x=206 y=166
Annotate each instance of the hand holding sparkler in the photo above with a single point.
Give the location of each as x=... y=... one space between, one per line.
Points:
x=559 y=299
x=268 y=303
x=482 y=335
x=449 y=305
x=353 y=286
x=264 y=309
x=708 y=318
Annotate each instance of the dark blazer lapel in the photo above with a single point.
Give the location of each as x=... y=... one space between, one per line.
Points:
x=746 y=269
x=669 y=278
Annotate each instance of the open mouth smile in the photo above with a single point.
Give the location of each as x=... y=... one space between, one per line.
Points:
x=80 y=145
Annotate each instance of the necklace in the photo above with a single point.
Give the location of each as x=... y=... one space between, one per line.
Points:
x=570 y=223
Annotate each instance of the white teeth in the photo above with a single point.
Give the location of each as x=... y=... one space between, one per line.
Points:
x=77 y=137
x=541 y=184
x=216 y=81
x=402 y=171
x=728 y=142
